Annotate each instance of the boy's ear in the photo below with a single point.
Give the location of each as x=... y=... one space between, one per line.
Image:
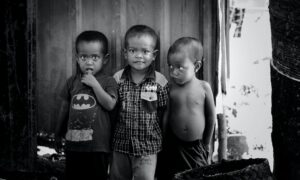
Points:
x=155 y=53
x=198 y=64
x=125 y=53
x=77 y=58
x=105 y=58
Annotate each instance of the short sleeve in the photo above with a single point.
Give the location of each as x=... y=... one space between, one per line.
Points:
x=111 y=87
x=65 y=92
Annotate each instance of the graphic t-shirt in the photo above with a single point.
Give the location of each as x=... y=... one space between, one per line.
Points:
x=89 y=126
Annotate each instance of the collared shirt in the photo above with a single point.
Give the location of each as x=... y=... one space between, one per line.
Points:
x=137 y=130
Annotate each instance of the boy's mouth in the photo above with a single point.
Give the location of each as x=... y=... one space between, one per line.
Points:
x=176 y=80
x=139 y=62
x=88 y=70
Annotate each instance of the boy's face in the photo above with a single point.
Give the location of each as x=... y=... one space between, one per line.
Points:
x=140 y=52
x=181 y=68
x=90 y=57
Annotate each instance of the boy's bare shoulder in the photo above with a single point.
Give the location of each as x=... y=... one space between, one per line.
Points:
x=204 y=85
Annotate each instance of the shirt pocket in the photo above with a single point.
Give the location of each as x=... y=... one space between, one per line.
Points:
x=149 y=101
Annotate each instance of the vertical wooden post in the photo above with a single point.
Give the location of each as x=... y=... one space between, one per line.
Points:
x=223 y=70
x=222 y=137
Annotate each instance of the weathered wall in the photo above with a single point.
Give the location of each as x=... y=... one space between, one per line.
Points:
x=59 y=22
x=36 y=56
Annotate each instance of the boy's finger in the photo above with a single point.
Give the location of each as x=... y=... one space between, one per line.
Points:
x=89 y=71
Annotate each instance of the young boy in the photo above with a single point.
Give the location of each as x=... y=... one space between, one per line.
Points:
x=142 y=100
x=84 y=120
x=191 y=113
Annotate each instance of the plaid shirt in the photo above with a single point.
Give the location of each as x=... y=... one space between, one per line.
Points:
x=137 y=130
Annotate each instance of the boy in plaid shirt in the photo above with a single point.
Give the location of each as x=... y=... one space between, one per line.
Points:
x=142 y=101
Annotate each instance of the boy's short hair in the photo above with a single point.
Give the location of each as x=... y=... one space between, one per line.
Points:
x=192 y=45
x=90 y=36
x=139 y=30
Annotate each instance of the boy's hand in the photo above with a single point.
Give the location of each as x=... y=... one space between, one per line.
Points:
x=89 y=80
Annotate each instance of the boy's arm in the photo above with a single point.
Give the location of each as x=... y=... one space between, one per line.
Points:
x=163 y=103
x=164 y=121
x=210 y=115
x=105 y=99
x=163 y=118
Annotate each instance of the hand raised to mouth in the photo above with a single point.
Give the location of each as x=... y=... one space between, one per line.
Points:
x=89 y=79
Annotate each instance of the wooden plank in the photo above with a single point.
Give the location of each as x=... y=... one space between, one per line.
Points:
x=97 y=15
x=119 y=29
x=207 y=42
x=190 y=18
x=209 y=26
x=164 y=34
x=54 y=59
x=176 y=14
x=185 y=17
x=140 y=12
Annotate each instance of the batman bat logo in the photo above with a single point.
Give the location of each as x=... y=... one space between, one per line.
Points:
x=83 y=101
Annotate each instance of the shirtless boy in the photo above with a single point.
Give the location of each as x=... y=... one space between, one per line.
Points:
x=191 y=114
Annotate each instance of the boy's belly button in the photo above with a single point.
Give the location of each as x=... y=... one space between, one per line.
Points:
x=185 y=129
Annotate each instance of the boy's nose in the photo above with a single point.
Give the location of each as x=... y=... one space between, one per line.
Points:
x=89 y=61
x=174 y=72
x=138 y=54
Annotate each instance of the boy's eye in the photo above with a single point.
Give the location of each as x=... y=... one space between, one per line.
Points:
x=178 y=68
x=146 y=52
x=131 y=51
x=95 y=57
x=85 y=57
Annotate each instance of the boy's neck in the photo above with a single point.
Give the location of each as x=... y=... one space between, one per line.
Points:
x=138 y=76
x=188 y=83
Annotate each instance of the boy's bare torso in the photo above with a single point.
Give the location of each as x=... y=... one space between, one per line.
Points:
x=187 y=112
